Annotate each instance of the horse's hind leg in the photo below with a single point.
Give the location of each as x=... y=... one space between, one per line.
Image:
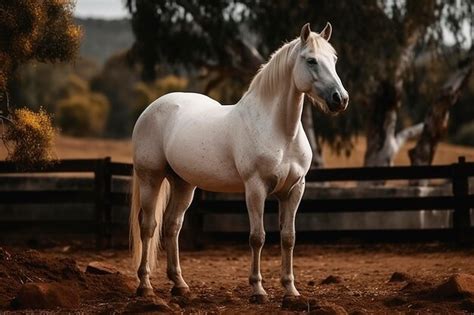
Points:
x=181 y=196
x=149 y=189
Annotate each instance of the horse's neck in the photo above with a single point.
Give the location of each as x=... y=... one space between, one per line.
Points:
x=289 y=111
x=283 y=110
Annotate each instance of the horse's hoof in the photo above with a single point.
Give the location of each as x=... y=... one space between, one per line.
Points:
x=258 y=299
x=145 y=292
x=295 y=303
x=180 y=291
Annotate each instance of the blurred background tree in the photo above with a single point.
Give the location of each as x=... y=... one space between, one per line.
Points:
x=116 y=82
x=395 y=58
x=41 y=84
x=378 y=43
x=30 y=137
x=79 y=111
x=147 y=92
x=32 y=30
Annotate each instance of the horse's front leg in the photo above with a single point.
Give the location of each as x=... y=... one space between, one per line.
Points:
x=288 y=205
x=255 y=195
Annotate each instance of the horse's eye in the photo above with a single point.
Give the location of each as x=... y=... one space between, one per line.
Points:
x=312 y=61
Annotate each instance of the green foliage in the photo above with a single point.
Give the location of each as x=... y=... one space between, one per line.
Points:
x=465 y=135
x=30 y=139
x=189 y=33
x=81 y=112
x=36 y=30
x=41 y=85
x=33 y=30
x=116 y=82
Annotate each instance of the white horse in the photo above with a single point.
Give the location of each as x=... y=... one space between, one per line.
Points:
x=257 y=146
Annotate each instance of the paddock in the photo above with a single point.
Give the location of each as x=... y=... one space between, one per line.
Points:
x=354 y=278
x=349 y=257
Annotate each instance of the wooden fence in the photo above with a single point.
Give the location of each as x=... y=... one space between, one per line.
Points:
x=101 y=194
x=104 y=198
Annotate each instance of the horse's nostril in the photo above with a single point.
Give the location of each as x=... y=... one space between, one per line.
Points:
x=336 y=97
x=345 y=100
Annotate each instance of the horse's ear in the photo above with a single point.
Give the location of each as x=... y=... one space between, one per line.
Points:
x=326 y=32
x=305 y=31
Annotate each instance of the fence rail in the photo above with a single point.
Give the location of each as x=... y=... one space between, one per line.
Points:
x=102 y=196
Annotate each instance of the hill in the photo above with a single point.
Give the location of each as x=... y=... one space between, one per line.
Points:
x=102 y=38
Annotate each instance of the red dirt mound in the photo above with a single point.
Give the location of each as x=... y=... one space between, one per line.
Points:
x=218 y=280
x=20 y=267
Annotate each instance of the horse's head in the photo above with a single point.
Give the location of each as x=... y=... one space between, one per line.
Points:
x=315 y=73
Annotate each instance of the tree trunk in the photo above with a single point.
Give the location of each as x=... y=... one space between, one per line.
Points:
x=382 y=141
x=392 y=141
x=308 y=126
x=381 y=130
x=436 y=120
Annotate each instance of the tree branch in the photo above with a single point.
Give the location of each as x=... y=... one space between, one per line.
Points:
x=5 y=118
x=408 y=134
x=436 y=120
x=250 y=57
x=381 y=144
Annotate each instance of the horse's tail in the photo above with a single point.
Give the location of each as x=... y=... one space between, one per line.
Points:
x=134 y=236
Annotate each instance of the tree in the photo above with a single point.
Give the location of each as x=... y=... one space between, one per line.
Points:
x=377 y=42
x=229 y=39
x=33 y=31
x=308 y=126
x=436 y=120
x=41 y=84
x=146 y=93
x=31 y=134
x=167 y=30
x=79 y=111
x=116 y=82
x=419 y=24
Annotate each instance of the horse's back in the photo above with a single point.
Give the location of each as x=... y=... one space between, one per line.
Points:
x=185 y=101
x=160 y=111
x=157 y=120
x=189 y=132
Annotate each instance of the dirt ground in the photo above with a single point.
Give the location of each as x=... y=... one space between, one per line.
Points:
x=357 y=278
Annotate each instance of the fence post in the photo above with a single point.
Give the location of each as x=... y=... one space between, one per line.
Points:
x=107 y=202
x=102 y=189
x=461 y=215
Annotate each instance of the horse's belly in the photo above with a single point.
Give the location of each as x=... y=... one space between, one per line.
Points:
x=207 y=172
x=204 y=159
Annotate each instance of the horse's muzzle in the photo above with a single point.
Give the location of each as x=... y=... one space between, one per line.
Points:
x=337 y=107
x=338 y=101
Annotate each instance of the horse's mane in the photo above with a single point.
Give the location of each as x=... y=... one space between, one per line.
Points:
x=269 y=78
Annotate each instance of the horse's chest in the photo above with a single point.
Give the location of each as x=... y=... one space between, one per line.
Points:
x=282 y=167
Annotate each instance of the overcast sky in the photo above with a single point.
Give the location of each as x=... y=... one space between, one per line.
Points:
x=108 y=9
